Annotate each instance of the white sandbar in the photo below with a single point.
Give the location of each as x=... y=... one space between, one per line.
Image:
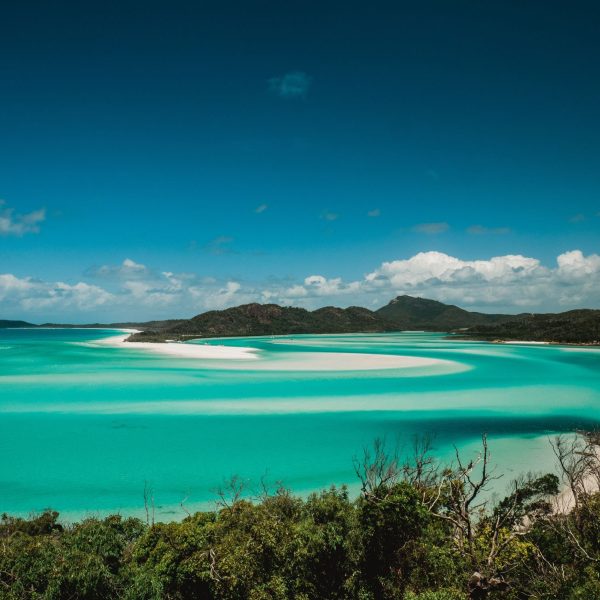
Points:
x=182 y=350
x=292 y=361
x=343 y=361
x=523 y=342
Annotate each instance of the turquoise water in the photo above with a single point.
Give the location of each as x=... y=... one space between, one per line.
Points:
x=85 y=426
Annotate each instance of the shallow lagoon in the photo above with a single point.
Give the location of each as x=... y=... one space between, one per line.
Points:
x=84 y=426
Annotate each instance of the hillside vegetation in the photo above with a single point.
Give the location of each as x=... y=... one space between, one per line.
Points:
x=402 y=313
x=6 y=324
x=422 y=313
x=572 y=327
x=271 y=319
x=417 y=531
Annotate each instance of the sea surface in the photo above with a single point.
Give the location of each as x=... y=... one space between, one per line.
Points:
x=86 y=427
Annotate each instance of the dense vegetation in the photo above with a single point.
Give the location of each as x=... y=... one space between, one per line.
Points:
x=417 y=531
x=402 y=313
x=572 y=327
x=6 y=324
x=271 y=319
x=421 y=313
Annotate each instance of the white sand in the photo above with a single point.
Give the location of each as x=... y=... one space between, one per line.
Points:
x=565 y=501
x=521 y=342
x=343 y=361
x=182 y=350
x=293 y=361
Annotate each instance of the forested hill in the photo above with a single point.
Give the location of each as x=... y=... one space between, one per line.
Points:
x=272 y=319
x=403 y=313
x=422 y=313
x=6 y=324
x=572 y=327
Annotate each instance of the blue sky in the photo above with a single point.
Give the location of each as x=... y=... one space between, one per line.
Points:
x=254 y=145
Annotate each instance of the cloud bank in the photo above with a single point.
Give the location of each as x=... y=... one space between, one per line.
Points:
x=133 y=291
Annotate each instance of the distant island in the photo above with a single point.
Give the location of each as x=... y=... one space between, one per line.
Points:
x=400 y=314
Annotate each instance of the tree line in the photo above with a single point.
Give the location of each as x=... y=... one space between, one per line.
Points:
x=418 y=530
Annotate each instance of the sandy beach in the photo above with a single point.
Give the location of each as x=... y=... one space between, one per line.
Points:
x=181 y=350
x=525 y=342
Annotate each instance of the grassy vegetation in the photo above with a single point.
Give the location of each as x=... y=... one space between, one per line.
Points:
x=418 y=531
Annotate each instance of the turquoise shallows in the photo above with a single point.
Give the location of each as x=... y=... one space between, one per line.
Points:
x=84 y=426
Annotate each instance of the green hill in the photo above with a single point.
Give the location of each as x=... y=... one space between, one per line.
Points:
x=402 y=313
x=6 y=324
x=421 y=313
x=272 y=319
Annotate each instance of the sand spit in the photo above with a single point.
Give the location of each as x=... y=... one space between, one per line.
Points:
x=292 y=361
x=180 y=349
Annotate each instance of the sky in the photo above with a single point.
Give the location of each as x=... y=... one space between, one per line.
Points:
x=162 y=159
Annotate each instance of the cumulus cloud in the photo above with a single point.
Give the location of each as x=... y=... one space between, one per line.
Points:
x=34 y=296
x=132 y=291
x=431 y=228
x=503 y=281
x=18 y=225
x=294 y=84
x=127 y=269
x=510 y=283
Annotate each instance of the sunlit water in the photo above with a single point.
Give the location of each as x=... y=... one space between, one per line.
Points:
x=85 y=427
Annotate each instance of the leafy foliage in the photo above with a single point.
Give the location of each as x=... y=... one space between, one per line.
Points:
x=417 y=531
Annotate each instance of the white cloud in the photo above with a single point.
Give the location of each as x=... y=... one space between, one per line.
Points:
x=261 y=208
x=294 y=84
x=503 y=281
x=509 y=283
x=34 y=296
x=18 y=225
x=318 y=285
x=127 y=269
x=330 y=216
x=376 y=212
